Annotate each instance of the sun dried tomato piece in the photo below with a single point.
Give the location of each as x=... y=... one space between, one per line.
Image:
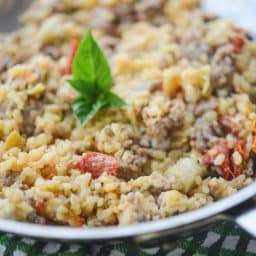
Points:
x=240 y=147
x=238 y=42
x=225 y=167
x=227 y=173
x=237 y=170
x=98 y=163
x=74 y=44
x=228 y=168
x=228 y=124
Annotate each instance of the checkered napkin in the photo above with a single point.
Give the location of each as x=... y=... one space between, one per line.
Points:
x=224 y=239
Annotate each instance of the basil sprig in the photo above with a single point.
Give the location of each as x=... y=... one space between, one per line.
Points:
x=93 y=80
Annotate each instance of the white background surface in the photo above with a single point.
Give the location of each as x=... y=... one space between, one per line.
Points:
x=242 y=12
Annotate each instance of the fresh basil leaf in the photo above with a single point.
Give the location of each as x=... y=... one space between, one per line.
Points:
x=81 y=108
x=92 y=79
x=84 y=110
x=91 y=65
x=114 y=101
x=82 y=86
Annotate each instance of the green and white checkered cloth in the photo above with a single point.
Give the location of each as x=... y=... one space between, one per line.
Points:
x=224 y=239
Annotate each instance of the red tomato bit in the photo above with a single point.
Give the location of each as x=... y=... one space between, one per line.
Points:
x=225 y=167
x=238 y=40
x=228 y=168
x=74 y=44
x=98 y=163
x=240 y=147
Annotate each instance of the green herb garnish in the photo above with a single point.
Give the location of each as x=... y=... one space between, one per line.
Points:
x=93 y=80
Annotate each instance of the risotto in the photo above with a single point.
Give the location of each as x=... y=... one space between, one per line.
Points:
x=185 y=139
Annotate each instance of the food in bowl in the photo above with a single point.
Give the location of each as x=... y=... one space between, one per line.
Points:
x=182 y=136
